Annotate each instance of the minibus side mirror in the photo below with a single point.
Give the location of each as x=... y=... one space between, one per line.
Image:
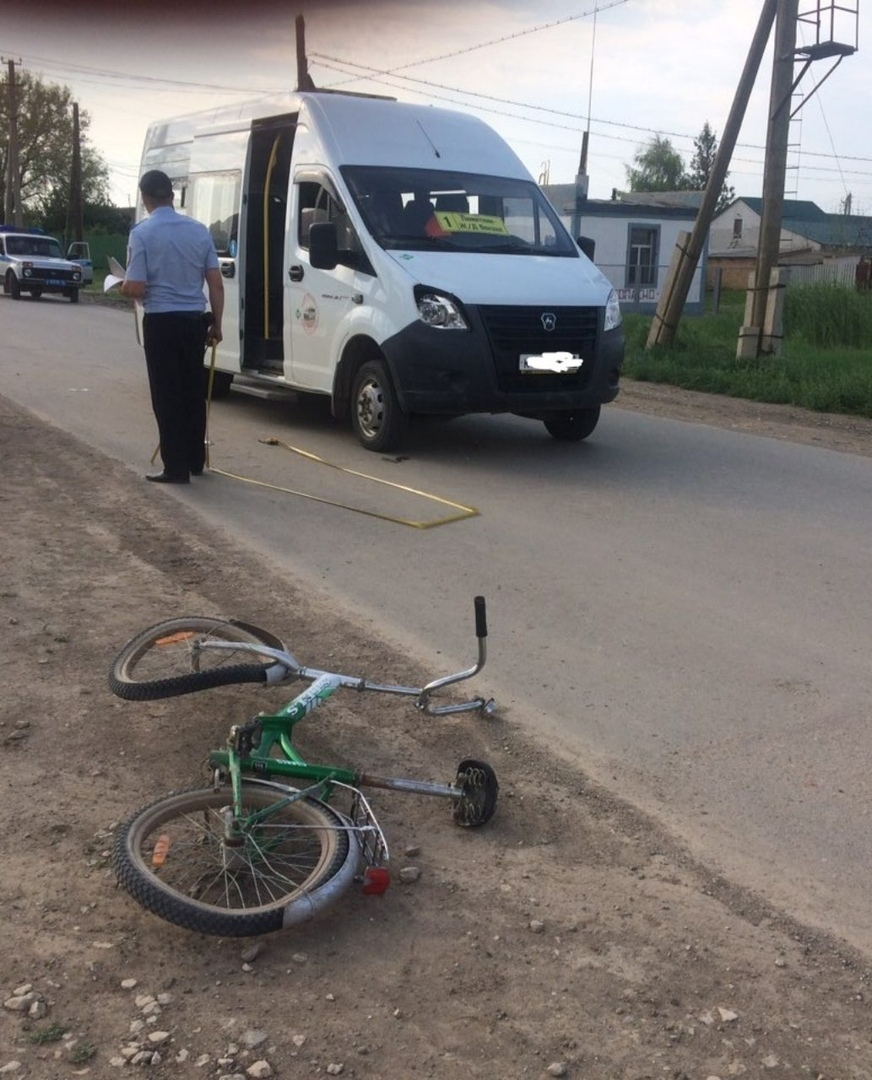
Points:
x=323 y=247
x=587 y=245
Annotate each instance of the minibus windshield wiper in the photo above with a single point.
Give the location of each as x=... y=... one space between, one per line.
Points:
x=420 y=243
x=517 y=247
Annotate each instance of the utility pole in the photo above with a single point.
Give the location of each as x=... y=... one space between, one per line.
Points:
x=761 y=329
x=304 y=79
x=775 y=167
x=674 y=296
x=581 y=177
x=12 y=203
x=75 y=210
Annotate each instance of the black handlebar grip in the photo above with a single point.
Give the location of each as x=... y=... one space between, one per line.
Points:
x=480 y=617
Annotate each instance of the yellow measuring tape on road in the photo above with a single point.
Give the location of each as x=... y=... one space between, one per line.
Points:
x=459 y=511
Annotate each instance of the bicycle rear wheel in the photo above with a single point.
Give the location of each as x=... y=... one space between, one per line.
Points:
x=163 y=660
x=187 y=860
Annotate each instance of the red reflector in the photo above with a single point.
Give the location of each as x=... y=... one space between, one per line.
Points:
x=376 y=880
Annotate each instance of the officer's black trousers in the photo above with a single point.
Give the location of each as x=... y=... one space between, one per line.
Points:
x=174 y=345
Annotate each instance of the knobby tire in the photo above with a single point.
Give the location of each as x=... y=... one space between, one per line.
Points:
x=171 y=856
x=159 y=662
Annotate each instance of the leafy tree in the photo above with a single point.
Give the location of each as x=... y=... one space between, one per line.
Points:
x=659 y=167
x=705 y=150
x=45 y=148
x=99 y=218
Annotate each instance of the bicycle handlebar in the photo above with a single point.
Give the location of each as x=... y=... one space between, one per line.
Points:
x=422 y=694
x=480 y=618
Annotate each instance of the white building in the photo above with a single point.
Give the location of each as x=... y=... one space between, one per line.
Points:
x=634 y=237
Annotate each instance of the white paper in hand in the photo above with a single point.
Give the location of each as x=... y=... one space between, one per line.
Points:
x=115 y=275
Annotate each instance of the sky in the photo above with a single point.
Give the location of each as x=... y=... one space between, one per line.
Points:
x=540 y=73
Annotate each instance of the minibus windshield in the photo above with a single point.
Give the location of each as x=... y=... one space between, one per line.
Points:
x=424 y=209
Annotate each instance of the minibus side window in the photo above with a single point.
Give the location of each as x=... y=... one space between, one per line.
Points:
x=316 y=204
x=215 y=203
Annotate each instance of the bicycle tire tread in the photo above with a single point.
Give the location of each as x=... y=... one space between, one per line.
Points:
x=177 y=913
x=187 y=914
x=125 y=683
x=190 y=683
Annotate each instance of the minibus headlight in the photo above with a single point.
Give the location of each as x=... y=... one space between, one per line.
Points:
x=440 y=311
x=613 y=312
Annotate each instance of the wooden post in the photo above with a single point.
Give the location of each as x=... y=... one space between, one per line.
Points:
x=772 y=338
x=678 y=253
x=748 y=345
x=775 y=165
x=304 y=79
x=75 y=209
x=13 y=213
x=717 y=286
x=668 y=317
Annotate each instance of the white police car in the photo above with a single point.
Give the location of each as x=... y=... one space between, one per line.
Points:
x=34 y=263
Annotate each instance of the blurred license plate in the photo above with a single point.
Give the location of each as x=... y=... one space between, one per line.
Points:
x=549 y=363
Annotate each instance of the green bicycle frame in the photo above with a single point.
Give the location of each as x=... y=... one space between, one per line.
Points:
x=275 y=733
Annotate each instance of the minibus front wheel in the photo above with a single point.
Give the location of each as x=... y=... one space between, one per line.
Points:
x=572 y=425
x=376 y=417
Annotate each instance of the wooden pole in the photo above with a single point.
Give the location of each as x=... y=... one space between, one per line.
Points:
x=75 y=208
x=13 y=213
x=672 y=301
x=304 y=79
x=775 y=166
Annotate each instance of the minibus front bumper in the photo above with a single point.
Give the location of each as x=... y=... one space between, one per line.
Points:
x=445 y=372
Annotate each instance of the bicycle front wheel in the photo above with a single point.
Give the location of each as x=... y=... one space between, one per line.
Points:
x=188 y=859
x=165 y=660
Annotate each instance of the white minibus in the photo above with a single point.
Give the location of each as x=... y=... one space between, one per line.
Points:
x=397 y=258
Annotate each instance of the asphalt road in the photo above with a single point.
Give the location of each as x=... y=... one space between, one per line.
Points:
x=683 y=610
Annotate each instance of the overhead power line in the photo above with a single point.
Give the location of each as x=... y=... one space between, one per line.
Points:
x=372 y=74
x=102 y=75
x=359 y=71
x=506 y=37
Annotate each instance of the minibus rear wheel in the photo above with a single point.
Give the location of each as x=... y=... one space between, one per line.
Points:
x=376 y=417
x=573 y=425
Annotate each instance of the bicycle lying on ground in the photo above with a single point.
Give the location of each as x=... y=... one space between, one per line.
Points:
x=252 y=853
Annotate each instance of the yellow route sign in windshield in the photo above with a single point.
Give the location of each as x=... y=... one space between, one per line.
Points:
x=453 y=222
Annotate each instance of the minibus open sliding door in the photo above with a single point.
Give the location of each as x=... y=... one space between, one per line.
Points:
x=215 y=178
x=265 y=208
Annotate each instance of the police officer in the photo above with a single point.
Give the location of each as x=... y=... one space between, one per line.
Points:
x=170 y=256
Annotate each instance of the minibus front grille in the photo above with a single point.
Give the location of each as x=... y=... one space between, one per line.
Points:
x=516 y=331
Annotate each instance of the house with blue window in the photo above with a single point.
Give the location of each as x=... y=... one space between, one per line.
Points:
x=633 y=237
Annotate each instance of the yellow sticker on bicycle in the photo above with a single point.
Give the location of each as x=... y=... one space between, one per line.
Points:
x=454 y=222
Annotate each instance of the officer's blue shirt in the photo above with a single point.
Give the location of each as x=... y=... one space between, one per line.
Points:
x=171 y=254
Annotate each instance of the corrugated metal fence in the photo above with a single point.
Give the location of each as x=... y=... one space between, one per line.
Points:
x=832 y=272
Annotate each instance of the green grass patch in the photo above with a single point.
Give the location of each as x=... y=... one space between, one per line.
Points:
x=825 y=364
x=49 y=1034
x=81 y=1053
x=829 y=316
